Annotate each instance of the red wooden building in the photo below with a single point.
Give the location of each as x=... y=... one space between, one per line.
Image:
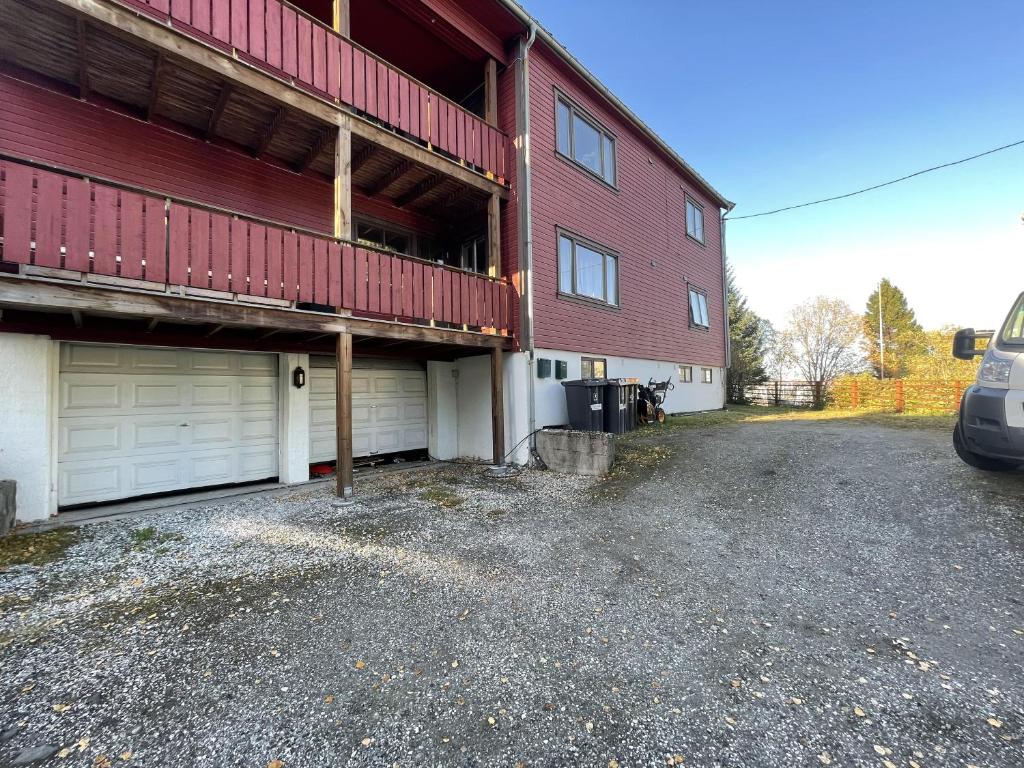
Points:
x=243 y=236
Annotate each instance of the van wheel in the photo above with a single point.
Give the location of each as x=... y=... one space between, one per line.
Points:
x=976 y=460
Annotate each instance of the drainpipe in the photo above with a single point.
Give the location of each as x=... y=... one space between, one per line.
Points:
x=725 y=300
x=523 y=170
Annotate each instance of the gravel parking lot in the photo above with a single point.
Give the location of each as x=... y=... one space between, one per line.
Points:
x=758 y=594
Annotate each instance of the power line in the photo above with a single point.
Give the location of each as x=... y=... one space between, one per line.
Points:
x=876 y=186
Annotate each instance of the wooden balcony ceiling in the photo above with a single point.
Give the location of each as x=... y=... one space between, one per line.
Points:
x=380 y=173
x=94 y=61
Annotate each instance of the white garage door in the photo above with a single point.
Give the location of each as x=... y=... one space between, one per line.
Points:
x=389 y=407
x=140 y=420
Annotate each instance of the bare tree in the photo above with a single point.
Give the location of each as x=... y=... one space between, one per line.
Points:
x=821 y=342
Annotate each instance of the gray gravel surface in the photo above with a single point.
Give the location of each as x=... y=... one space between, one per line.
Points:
x=767 y=594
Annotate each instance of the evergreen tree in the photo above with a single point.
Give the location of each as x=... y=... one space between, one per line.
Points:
x=903 y=336
x=749 y=337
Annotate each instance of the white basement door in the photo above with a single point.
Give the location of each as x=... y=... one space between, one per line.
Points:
x=140 y=420
x=389 y=407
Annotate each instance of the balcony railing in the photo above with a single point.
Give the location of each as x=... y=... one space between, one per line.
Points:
x=283 y=40
x=65 y=221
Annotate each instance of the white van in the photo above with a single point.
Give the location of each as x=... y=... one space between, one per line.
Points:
x=989 y=434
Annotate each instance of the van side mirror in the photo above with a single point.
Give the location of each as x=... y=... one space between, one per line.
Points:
x=965 y=343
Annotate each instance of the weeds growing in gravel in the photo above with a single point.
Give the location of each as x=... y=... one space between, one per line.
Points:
x=37 y=548
x=150 y=538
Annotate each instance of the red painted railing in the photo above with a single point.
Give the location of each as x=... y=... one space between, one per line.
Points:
x=63 y=221
x=283 y=40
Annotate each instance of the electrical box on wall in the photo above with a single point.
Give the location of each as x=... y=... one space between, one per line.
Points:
x=543 y=368
x=561 y=369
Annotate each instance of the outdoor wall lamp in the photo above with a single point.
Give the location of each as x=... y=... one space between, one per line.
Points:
x=299 y=378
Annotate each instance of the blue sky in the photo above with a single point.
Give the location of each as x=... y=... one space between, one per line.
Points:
x=779 y=103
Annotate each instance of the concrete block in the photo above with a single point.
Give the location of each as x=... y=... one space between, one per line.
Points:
x=576 y=453
x=8 y=505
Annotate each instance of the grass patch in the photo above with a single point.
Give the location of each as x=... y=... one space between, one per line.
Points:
x=149 y=538
x=746 y=414
x=37 y=548
x=441 y=496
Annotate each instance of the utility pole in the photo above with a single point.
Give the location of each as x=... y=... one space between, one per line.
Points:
x=881 y=336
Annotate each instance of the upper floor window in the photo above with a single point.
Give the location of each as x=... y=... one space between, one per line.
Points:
x=694 y=220
x=593 y=368
x=587 y=270
x=699 y=309
x=384 y=236
x=584 y=141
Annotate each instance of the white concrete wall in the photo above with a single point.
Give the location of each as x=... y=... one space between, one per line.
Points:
x=474 y=407
x=28 y=434
x=293 y=462
x=685 y=398
x=442 y=410
x=517 y=406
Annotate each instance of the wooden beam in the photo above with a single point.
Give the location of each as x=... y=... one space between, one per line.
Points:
x=491 y=92
x=385 y=182
x=494 y=236
x=341 y=20
x=268 y=132
x=268 y=334
x=324 y=136
x=213 y=330
x=76 y=316
x=457 y=197
x=364 y=155
x=83 y=58
x=343 y=181
x=154 y=86
x=343 y=419
x=218 y=109
x=497 y=407
x=425 y=187
x=407 y=149
x=41 y=295
x=152 y=324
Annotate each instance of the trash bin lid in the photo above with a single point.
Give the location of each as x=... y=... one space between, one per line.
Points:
x=584 y=383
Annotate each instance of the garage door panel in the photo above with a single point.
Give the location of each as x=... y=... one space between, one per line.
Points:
x=87 y=392
x=388 y=441
x=362 y=415
x=414 y=385
x=87 y=436
x=360 y=384
x=385 y=383
x=138 y=420
x=387 y=413
x=361 y=445
x=414 y=411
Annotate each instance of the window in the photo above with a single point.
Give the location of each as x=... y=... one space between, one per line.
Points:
x=587 y=270
x=384 y=236
x=699 y=309
x=581 y=139
x=473 y=255
x=685 y=373
x=1013 y=333
x=593 y=368
x=695 y=221
x=706 y=375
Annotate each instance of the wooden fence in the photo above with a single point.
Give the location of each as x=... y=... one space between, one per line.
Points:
x=66 y=221
x=860 y=393
x=283 y=40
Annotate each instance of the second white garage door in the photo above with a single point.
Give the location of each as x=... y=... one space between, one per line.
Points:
x=389 y=407
x=140 y=420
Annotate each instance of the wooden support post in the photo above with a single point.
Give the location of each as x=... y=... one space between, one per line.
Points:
x=344 y=416
x=491 y=92
x=497 y=407
x=341 y=17
x=494 y=236
x=343 y=181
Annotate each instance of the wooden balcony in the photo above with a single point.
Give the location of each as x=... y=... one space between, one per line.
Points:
x=287 y=43
x=56 y=224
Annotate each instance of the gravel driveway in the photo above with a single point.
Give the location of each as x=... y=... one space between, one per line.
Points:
x=765 y=594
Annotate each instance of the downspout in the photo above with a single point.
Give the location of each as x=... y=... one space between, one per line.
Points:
x=725 y=301
x=523 y=183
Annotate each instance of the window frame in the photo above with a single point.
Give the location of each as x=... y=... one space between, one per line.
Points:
x=698 y=207
x=690 y=290
x=386 y=227
x=592 y=361
x=575 y=110
x=707 y=375
x=605 y=251
x=686 y=378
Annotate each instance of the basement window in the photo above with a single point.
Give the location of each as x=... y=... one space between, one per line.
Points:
x=706 y=375
x=685 y=374
x=593 y=368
